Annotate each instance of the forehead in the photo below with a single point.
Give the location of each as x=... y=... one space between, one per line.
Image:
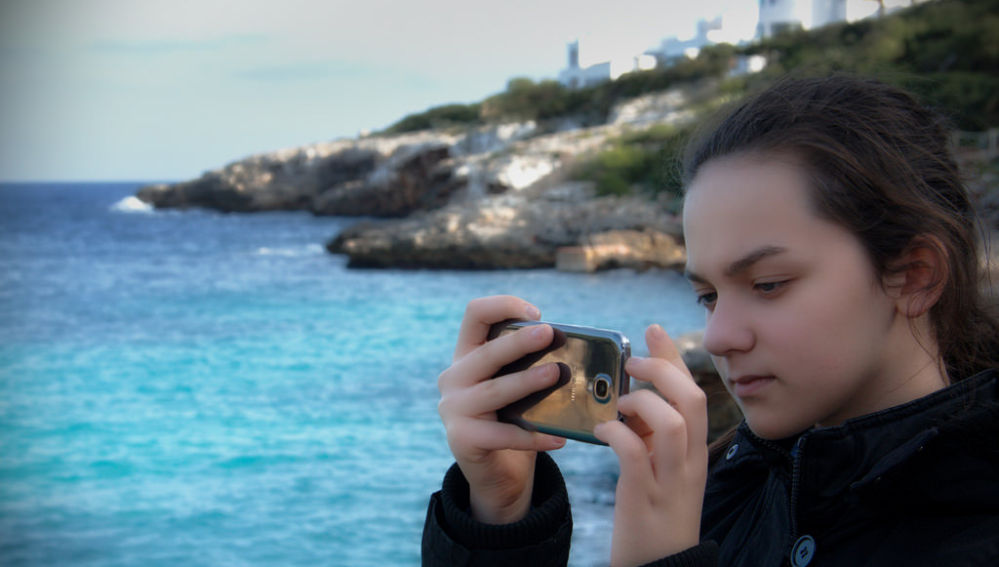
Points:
x=739 y=204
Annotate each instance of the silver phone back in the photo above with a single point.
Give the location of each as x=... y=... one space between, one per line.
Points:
x=593 y=378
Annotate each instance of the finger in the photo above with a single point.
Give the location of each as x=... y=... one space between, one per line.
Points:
x=661 y=346
x=491 y=395
x=469 y=435
x=679 y=390
x=484 y=362
x=632 y=452
x=482 y=313
x=660 y=426
x=670 y=376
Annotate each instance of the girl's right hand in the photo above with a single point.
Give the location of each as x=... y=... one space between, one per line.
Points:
x=496 y=458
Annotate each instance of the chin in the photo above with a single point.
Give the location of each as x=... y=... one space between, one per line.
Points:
x=773 y=430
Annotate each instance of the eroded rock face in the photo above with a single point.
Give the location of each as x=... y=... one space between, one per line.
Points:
x=487 y=198
x=417 y=179
x=635 y=249
x=308 y=178
x=506 y=231
x=390 y=176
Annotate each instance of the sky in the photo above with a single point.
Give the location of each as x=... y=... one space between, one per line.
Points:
x=163 y=90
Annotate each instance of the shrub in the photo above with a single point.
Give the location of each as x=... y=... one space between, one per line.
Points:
x=639 y=162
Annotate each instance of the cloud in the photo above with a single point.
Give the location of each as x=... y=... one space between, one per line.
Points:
x=304 y=71
x=168 y=46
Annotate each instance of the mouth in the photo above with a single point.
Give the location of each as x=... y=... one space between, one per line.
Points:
x=750 y=385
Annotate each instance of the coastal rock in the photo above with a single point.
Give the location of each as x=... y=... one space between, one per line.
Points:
x=382 y=176
x=669 y=107
x=635 y=249
x=287 y=179
x=411 y=179
x=500 y=231
x=489 y=197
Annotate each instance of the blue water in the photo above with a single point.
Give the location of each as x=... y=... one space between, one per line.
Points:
x=195 y=388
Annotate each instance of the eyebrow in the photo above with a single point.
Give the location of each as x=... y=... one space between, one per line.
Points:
x=742 y=264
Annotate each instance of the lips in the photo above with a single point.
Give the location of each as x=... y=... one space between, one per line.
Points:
x=750 y=385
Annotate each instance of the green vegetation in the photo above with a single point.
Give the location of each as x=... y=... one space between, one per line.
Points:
x=945 y=51
x=548 y=101
x=643 y=160
x=447 y=116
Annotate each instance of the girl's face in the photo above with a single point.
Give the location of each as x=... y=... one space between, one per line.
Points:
x=798 y=324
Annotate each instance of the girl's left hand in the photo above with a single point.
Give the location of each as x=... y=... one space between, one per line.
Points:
x=663 y=454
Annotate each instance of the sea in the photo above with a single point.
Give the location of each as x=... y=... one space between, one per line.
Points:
x=200 y=388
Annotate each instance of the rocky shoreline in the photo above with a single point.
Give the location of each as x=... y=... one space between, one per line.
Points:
x=500 y=196
x=492 y=197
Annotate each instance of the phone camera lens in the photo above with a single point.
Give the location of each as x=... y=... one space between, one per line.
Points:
x=602 y=388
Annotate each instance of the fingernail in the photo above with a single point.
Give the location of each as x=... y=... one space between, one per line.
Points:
x=598 y=430
x=546 y=373
x=629 y=366
x=532 y=312
x=657 y=330
x=538 y=331
x=635 y=360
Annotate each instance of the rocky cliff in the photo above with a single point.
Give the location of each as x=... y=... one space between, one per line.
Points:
x=496 y=196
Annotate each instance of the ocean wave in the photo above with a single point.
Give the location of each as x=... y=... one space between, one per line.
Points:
x=291 y=251
x=132 y=204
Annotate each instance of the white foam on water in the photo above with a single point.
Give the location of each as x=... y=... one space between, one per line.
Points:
x=293 y=251
x=132 y=204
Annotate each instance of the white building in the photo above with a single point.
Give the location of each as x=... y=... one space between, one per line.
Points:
x=777 y=16
x=672 y=49
x=576 y=77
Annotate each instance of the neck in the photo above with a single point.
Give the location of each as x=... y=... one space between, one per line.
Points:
x=910 y=369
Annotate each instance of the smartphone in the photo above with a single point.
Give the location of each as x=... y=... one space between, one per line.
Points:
x=591 y=379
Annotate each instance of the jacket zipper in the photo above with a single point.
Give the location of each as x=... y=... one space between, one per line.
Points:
x=799 y=446
x=795 y=459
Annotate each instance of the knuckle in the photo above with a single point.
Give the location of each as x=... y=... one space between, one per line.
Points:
x=649 y=396
x=490 y=388
x=692 y=398
x=699 y=397
x=476 y=309
x=444 y=407
x=476 y=305
x=444 y=380
x=673 y=423
x=631 y=448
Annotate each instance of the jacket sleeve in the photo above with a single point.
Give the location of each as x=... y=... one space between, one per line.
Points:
x=452 y=537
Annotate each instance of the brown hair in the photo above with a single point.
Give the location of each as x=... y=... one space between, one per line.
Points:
x=881 y=166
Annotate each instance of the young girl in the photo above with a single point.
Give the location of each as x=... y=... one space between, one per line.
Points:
x=833 y=247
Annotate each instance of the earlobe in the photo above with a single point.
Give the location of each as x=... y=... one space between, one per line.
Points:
x=916 y=280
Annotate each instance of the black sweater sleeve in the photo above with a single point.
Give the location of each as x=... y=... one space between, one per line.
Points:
x=452 y=537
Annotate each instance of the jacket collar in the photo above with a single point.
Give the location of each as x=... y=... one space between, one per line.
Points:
x=825 y=463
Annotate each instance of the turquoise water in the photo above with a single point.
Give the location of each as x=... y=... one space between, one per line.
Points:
x=198 y=388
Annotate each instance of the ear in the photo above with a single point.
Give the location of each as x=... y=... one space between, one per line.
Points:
x=916 y=279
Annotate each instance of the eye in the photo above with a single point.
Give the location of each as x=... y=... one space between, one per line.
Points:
x=707 y=299
x=770 y=288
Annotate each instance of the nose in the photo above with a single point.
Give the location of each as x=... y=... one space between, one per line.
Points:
x=728 y=330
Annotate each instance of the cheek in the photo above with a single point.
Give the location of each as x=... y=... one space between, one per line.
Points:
x=832 y=328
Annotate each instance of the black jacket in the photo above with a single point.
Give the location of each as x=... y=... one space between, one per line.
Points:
x=917 y=484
